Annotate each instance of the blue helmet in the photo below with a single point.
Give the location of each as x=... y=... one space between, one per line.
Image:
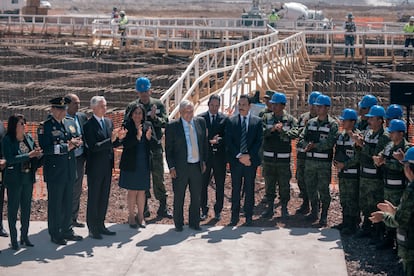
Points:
x=348 y=114
x=397 y=125
x=409 y=155
x=312 y=97
x=367 y=101
x=278 y=98
x=323 y=100
x=142 y=84
x=376 y=111
x=394 y=111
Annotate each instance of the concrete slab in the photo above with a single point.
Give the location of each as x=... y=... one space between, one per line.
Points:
x=159 y=250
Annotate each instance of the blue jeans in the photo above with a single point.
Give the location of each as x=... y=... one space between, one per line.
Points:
x=349 y=41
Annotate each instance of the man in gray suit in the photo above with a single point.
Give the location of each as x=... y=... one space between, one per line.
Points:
x=186 y=153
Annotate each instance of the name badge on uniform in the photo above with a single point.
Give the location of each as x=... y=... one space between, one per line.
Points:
x=323 y=137
x=56 y=132
x=349 y=153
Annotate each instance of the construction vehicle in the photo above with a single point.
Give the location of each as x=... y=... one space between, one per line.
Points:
x=293 y=14
x=254 y=17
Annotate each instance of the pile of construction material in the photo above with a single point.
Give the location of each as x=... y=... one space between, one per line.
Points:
x=33 y=8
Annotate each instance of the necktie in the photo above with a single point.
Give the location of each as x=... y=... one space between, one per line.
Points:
x=243 y=139
x=213 y=120
x=193 y=141
x=103 y=126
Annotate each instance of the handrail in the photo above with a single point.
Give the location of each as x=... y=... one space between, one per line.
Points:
x=208 y=62
x=286 y=50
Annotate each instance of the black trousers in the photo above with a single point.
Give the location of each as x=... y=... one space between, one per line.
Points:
x=59 y=208
x=19 y=196
x=216 y=167
x=77 y=187
x=99 y=186
x=2 y=188
x=192 y=177
x=242 y=176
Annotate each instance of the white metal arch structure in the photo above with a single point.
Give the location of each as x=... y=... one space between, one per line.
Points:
x=214 y=66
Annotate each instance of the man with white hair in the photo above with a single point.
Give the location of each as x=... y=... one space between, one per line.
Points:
x=100 y=138
x=186 y=153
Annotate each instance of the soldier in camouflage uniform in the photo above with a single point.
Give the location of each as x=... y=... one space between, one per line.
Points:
x=347 y=163
x=394 y=178
x=371 y=187
x=402 y=217
x=279 y=129
x=320 y=136
x=364 y=105
x=393 y=111
x=156 y=114
x=301 y=155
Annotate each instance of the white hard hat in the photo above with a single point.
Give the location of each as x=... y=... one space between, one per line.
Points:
x=121 y=13
x=412 y=18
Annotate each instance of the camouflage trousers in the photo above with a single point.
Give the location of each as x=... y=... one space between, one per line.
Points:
x=349 y=196
x=300 y=177
x=277 y=174
x=407 y=256
x=371 y=192
x=157 y=172
x=393 y=195
x=317 y=179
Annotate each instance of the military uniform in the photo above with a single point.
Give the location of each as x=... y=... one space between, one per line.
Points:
x=371 y=187
x=362 y=125
x=404 y=221
x=159 y=122
x=276 y=157
x=300 y=162
x=59 y=172
x=318 y=163
x=346 y=153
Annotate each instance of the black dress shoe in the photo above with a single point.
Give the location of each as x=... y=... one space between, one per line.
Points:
x=164 y=213
x=233 y=222
x=58 y=241
x=3 y=233
x=14 y=245
x=95 y=235
x=178 y=229
x=73 y=237
x=78 y=224
x=196 y=228
x=106 y=231
x=25 y=241
x=249 y=222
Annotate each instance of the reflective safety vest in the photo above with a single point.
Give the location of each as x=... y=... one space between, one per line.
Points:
x=368 y=168
x=394 y=177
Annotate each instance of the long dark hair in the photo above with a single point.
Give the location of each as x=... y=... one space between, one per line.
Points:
x=134 y=107
x=12 y=124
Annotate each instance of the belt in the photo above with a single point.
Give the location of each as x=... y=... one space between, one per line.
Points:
x=317 y=155
x=351 y=171
x=396 y=182
x=278 y=155
x=192 y=164
x=369 y=170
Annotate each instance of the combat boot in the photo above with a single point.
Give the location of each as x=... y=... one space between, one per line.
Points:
x=365 y=230
x=324 y=218
x=269 y=212
x=163 y=210
x=285 y=213
x=350 y=226
x=304 y=208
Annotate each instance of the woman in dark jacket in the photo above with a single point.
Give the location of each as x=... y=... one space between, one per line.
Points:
x=22 y=159
x=135 y=163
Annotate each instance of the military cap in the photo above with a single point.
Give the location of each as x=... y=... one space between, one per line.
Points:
x=60 y=102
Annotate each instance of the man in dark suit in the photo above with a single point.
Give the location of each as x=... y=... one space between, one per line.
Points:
x=3 y=232
x=243 y=137
x=80 y=119
x=216 y=159
x=57 y=138
x=100 y=137
x=186 y=152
